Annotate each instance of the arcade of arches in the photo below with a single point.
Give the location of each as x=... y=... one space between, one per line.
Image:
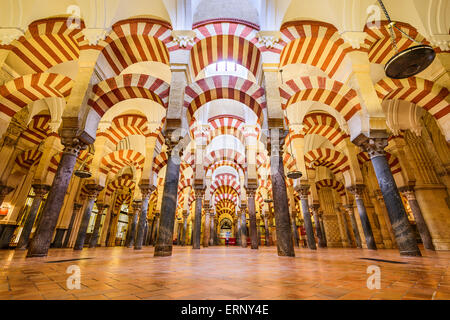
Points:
x=171 y=125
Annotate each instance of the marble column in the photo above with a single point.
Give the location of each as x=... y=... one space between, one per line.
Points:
x=243 y=226
x=404 y=235
x=4 y=191
x=324 y=236
x=164 y=241
x=185 y=223
x=252 y=217
x=266 y=230
x=59 y=236
x=380 y=199
x=303 y=191
x=238 y=230
x=206 y=227
x=76 y=210
x=295 y=237
x=93 y=190
x=148 y=241
x=137 y=205
x=95 y=233
x=155 y=227
x=409 y=193
x=315 y=210
x=146 y=191
x=196 y=232
x=212 y=228
x=258 y=228
x=357 y=191
x=347 y=230
x=285 y=247
x=40 y=190
x=41 y=241
x=349 y=209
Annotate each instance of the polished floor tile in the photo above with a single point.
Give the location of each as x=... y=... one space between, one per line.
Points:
x=225 y=273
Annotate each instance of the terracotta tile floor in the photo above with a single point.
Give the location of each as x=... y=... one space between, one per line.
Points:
x=224 y=273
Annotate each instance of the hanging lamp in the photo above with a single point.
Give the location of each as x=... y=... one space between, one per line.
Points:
x=82 y=171
x=409 y=62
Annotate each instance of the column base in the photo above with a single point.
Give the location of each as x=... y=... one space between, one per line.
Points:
x=163 y=251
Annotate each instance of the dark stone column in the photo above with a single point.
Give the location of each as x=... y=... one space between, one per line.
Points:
x=238 y=229
x=243 y=226
x=425 y=235
x=41 y=241
x=146 y=191
x=4 y=191
x=357 y=191
x=266 y=230
x=111 y=234
x=6 y=234
x=404 y=235
x=212 y=230
x=252 y=217
x=206 y=228
x=196 y=234
x=93 y=190
x=150 y=231
x=40 y=190
x=185 y=222
x=324 y=236
x=347 y=230
x=155 y=227
x=137 y=205
x=303 y=191
x=76 y=209
x=295 y=236
x=315 y=210
x=285 y=247
x=349 y=209
x=164 y=242
x=95 y=233
x=59 y=235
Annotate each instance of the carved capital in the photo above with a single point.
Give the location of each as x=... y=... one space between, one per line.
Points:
x=77 y=207
x=314 y=207
x=5 y=190
x=40 y=190
x=303 y=191
x=357 y=191
x=101 y=207
x=269 y=38
x=373 y=146
x=146 y=189
x=94 y=35
x=93 y=190
x=73 y=145
x=199 y=191
x=184 y=38
x=408 y=192
x=251 y=192
x=137 y=206
x=354 y=38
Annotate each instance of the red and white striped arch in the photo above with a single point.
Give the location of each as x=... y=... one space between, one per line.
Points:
x=289 y=161
x=392 y=160
x=320 y=89
x=159 y=162
x=378 y=43
x=122 y=199
x=46 y=43
x=28 y=158
x=224 y=154
x=225 y=163
x=322 y=124
x=331 y=183
x=226 y=42
x=226 y=196
x=424 y=93
x=225 y=205
x=228 y=180
x=314 y=43
x=128 y=86
x=332 y=159
x=124 y=182
x=184 y=183
x=20 y=92
x=124 y=126
x=38 y=129
x=132 y=41
x=224 y=87
x=117 y=160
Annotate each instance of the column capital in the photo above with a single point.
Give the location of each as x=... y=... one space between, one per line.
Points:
x=137 y=205
x=184 y=38
x=199 y=191
x=169 y=141
x=156 y=214
x=101 y=206
x=357 y=191
x=185 y=214
x=243 y=206
x=408 y=192
x=93 y=190
x=146 y=189
x=373 y=146
x=77 y=206
x=251 y=191
x=314 y=207
x=303 y=191
x=5 y=190
x=40 y=190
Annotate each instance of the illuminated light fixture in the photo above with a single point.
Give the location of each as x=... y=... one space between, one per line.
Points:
x=409 y=62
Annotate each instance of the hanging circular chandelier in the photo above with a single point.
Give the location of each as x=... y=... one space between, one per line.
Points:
x=409 y=62
x=83 y=172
